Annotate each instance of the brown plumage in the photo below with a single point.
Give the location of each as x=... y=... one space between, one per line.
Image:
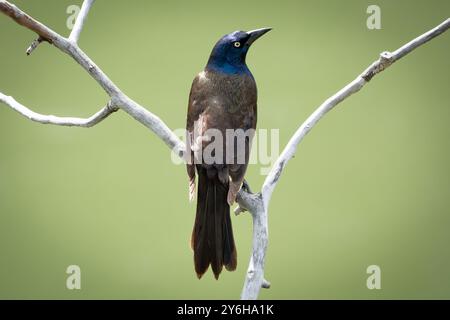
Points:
x=231 y=105
x=222 y=97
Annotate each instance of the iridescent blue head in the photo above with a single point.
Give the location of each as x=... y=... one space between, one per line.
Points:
x=228 y=55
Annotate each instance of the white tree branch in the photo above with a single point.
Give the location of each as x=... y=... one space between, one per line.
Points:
x=81 y=18
x=60 y=121
x=255 y=274
x=118 y=98
x=256 y=203
x=385 y=60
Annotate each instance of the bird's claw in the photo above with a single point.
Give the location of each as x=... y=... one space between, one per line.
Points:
x=246 y=187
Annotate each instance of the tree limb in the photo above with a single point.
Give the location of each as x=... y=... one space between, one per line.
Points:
x=257 y=204
x=255 y=274
x=118 y=98
x=60 y=121
x=25 y=20
x=386 y=59
x=81 y=18
x=76 y=30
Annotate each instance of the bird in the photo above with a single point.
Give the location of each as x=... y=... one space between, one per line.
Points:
x=223 y=97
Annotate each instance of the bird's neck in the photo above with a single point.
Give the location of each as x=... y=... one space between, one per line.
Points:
x=222 y=65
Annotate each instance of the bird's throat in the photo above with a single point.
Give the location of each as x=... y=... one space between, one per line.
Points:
x=226 y=67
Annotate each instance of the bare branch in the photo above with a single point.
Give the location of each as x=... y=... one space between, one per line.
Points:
x=81 y=18
x=255 y=274
x=118 y=98
x=76 y=31
x=60 y=121
x=386 y=59
x=25 y=20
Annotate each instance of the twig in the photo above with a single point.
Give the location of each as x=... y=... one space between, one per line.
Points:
x=81 y=18
x=34 y=45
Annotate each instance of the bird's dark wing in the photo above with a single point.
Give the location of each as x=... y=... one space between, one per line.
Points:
x=195 y=109
x=219 y=101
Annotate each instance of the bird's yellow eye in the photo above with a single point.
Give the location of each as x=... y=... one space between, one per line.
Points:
x=237 y=44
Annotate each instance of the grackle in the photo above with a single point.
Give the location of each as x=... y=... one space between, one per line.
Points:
x=223 y=97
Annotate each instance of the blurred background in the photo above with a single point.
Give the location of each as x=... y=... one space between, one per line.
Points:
x=370 y=185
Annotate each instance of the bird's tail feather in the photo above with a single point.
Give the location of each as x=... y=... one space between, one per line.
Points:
x=212 y=237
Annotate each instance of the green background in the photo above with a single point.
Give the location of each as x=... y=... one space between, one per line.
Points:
x=369 y=185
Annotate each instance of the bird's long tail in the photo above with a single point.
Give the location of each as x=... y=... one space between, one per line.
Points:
x=212 y=237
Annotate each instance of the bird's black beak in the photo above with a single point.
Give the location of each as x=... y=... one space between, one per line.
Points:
x=255 y=34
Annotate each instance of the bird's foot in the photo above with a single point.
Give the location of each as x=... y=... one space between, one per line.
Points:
x=232 y=192
x=246 y=186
